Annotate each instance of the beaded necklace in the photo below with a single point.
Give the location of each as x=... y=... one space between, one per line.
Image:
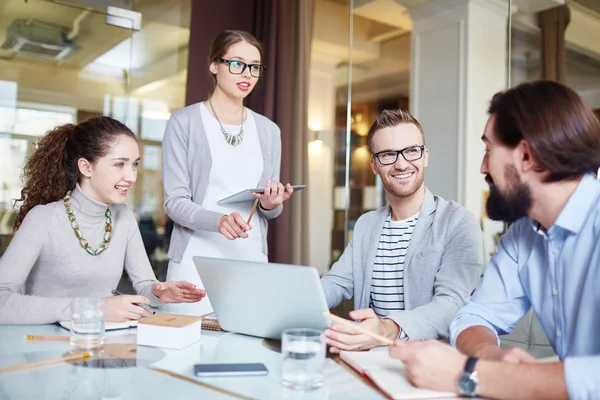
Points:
x=75 y=225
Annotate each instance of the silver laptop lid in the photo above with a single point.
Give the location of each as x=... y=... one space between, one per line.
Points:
x=263 y=299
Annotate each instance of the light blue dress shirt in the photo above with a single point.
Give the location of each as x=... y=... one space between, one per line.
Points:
x=558 y=274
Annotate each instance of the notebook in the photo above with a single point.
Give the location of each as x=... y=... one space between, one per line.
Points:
x=109 y=326
x=210 y=323
x=389 y=375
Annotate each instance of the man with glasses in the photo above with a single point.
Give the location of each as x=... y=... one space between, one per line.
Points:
x=542 y=152
x=410 y=265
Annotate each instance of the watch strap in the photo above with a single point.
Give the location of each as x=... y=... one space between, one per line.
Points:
x=470 y=365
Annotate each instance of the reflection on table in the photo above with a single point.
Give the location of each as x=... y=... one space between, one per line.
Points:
x=126 y=374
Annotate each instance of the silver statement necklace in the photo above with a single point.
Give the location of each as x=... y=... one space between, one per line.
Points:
x=234 y=140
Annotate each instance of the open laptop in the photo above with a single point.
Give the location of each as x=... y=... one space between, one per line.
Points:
x=263 y=299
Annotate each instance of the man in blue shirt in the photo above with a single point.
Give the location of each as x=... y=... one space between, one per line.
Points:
x=542 y=155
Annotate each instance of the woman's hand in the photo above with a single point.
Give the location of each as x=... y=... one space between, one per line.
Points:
x=274 y=195
x=233 y=226
x=124 y=308
x=178 y=292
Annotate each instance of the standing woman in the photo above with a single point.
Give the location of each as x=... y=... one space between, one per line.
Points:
x=74 y=235
x=212 y=150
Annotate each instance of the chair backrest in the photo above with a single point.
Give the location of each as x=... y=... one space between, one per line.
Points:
x=529 y=335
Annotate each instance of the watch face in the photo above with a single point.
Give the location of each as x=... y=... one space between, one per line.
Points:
x=468 y=384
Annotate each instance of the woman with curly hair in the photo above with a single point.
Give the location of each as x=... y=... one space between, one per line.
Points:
x=74 y=235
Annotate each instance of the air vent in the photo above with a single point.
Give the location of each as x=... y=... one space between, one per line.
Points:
x=38 y=39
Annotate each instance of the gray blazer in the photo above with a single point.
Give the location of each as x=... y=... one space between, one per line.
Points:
x=186 y=167
x=442 y=266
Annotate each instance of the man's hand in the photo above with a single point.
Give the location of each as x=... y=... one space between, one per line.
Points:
x=342 y=337
x=515 y=355
x=430 y=364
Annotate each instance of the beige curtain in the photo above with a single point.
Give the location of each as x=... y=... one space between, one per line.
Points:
x=553 y=24
x=284 y=27
x=299 y=205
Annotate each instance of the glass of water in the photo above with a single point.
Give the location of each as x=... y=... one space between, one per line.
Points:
x=87 y=323
x=303 y=358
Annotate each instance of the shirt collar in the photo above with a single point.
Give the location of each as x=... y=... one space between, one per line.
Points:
x=575 y=212
x=85 y=204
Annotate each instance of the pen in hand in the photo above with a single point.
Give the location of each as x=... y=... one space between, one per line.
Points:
x=145 y=307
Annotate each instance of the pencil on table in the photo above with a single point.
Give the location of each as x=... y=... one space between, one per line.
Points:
x=33 y=337
x=253 y=210
x=359 y=329
x=72 y=357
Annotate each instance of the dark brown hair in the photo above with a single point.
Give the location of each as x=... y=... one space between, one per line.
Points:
x=223 y=41
x=389 y=118
x=52 y=169
x=562 y=132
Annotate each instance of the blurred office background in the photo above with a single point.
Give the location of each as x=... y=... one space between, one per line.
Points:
x=333 y=65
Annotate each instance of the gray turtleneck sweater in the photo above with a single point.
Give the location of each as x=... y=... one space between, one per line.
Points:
x=44 y=267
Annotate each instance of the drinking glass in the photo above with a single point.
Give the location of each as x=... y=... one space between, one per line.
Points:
x=303 y=358
x=87 y=323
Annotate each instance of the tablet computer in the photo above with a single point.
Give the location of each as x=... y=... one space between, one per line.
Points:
x=246 y=195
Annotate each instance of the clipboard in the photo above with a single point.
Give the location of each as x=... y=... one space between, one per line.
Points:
x=246 y=195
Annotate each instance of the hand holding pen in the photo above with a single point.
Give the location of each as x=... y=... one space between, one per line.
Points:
x=144 y=306
x=126 y=307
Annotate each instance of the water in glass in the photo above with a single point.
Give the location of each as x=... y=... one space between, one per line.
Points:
x=87 y=324
x=303 y=358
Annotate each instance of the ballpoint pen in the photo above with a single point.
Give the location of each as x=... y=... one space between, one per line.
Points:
x=145 y=307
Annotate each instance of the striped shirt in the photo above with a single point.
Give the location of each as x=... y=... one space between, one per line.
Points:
x=387 y=284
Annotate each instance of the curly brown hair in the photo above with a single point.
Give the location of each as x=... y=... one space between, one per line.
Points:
x=52 y=169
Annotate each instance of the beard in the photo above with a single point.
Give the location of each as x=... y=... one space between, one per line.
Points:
x=403 y=191
x=510 y=206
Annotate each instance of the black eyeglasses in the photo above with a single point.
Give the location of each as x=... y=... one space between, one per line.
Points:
x=389 y=157
x=238 y=67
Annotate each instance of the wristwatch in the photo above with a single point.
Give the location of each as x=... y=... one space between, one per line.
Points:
x=468 y=383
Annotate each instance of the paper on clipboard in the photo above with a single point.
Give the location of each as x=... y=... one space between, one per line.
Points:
x=246 y=195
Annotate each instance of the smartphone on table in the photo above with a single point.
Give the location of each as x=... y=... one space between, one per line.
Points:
x=238 y=369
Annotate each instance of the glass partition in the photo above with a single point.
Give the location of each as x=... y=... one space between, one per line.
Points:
x=69 y=61
x=373 y=75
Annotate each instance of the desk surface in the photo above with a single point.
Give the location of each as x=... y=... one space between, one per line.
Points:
x=66 y=381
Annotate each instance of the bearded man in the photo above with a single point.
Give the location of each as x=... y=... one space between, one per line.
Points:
x=542 y=156
x=411 y=265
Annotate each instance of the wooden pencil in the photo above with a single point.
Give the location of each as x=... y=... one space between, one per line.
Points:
x=34 y=337
x=200 y=383
x=253 y=210
x=359 y=329
x=35 y=364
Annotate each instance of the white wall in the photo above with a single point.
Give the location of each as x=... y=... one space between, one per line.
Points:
x=458 y=63
x=321 y=117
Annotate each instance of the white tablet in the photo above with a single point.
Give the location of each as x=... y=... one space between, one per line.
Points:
x=246 y=195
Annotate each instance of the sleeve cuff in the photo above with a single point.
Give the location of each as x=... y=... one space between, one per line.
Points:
x=206 y=220
x=270 y=214
x=154 y=300
x=581 y=376
x=402 y=335
x=466 y=321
